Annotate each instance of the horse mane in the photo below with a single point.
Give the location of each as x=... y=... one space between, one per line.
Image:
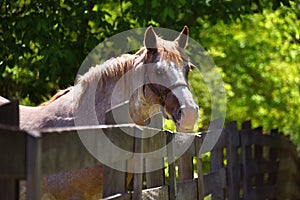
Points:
x=118 y=66
x=56 y=96
x=112 y=68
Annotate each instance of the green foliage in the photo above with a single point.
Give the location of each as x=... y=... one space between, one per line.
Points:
x=44 y=42
x=259 y=60
x=255 y=44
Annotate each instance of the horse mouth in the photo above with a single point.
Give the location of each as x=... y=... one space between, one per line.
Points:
x=176 y=121
x=180 y=128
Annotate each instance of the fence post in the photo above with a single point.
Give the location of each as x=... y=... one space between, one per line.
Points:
x=33 y=165
x=155 y=178
x=138 y=164
x=114 y=181
x=273 y=155
x=185 y=167
x=216 y=163
x=9 y=115
x=246 y=155
x=200 y=185
x=233 y=167
x=172 y=169
x=258 y=154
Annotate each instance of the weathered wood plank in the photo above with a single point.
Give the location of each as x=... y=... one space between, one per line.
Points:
x=114 y=181
x=233 y=167
x=185 y=168
x=62 y=151
x=155 y=145
x=258 y=156
x=155 y=178
x=13 y=152
x=275 y=141
x=263 y=192
x=171 y=166
x=58 y=143
x=216 y=163
x=11 y=157
x=273 y=153
x=255 y=167
x=200 y=182
x=138 y=165
x=155 y=148
x=33 y=166
x=9 y=113
x=270 y=166
x=187 y=190
x=185 y=161
x=214 y=181
x=189 y=187
x=245 y=158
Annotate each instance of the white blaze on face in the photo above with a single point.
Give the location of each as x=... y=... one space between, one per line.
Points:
x=171 y=75
x=188 y=108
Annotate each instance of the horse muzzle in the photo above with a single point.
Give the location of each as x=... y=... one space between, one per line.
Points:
x=185 y=118
x=177 y=104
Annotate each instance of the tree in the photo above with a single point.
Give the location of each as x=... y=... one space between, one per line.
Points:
x=44 y=42
x=259 y=60
x=255 y=45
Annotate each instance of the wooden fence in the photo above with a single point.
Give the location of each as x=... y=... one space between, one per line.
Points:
x=244 y=164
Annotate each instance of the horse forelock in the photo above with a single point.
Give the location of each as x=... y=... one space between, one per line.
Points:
x=169 y=51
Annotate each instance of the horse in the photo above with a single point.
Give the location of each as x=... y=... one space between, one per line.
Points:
x=160 y=65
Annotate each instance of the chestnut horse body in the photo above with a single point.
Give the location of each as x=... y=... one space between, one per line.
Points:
x=162 y=68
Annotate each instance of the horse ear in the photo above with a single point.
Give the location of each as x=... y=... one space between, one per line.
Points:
x=150 y=38
x=182 y=39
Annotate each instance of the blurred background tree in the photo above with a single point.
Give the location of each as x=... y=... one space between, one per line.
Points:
x=255 y=45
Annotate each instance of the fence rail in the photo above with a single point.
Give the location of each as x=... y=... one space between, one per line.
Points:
x=244 y=164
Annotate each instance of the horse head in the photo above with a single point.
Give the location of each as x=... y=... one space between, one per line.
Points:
x=166 y=69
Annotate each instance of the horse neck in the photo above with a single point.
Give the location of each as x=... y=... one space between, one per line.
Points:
x=98 y=95
x=58 y=113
